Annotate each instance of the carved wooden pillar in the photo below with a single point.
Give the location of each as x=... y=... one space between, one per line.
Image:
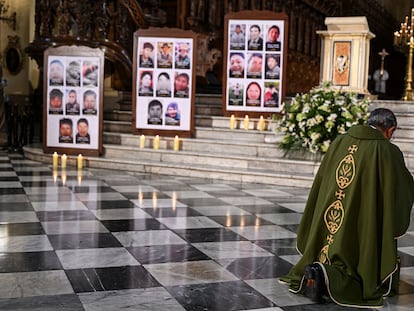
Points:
x=299 y=35
x=292 y=30
x=307 y=35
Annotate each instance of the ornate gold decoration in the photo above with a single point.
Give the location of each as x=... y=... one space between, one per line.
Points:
x=345 y=171
x=340 y=194
x=352 y=149
x=334 y=215
x=323 y=255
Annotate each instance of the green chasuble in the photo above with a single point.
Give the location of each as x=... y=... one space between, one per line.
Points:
x=359 y=204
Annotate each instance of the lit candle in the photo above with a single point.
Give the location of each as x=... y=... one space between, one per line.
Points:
x=64 y=161
x=261 y=123
x=176 y=143
x=157 y=142
x=80 y=161
x=142 y=141
x=232 y=122
x=55 y=159
x=246 y=122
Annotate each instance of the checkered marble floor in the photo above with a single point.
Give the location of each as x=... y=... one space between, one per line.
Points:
x=118 y=240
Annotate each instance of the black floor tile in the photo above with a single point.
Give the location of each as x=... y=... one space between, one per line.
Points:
x=28 y=228
x=83 y=240
x=133 y=225
x=209 y=235
x=116 y=278
x=29 y=261
x=225 y=296
x=166 y=253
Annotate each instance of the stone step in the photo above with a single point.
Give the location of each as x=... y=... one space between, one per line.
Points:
x=208 y=146
x=251 y=175
x=216 y=161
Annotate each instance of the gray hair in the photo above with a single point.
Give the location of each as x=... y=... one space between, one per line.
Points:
x=383 y=118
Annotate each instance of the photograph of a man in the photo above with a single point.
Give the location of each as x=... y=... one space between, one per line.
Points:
x=65 y=131
x=56 y=71
x=237 y=37
x=164 y=57
x=182 y=59
x=72 y=106
x=55 y=101
x=255 y=40
x=155 y=112
x=254 y=65
x=89 y=102
x=181 y=85
x=145 y=59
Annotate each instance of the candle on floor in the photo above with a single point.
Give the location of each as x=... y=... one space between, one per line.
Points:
x=176 y=143
x=80 y=161
x=261 y=123
x=246 y=122
x=64 y=161
x=142 y=141
x=232 y=122
x=157 y=142
x=55 y=159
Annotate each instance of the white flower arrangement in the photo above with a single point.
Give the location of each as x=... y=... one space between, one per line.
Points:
x=311 y=121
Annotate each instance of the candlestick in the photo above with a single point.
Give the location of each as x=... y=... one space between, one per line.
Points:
x=142 y=141
x=64 y=161
x=176 y=143
x=232 y=122
x=80 y=161
x=261 y=123
x=246 y=122
x=55 y=159
x=157 y=142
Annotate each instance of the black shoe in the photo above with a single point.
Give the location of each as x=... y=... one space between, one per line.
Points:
x=315 y=287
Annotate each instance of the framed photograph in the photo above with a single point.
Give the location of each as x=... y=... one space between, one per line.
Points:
x=254 y=62
x=73 y=100
x=342 y=62
x=164 y=82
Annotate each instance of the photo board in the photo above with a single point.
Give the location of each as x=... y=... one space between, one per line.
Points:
x=254 y=63
x=73 y=100
x=164 y=82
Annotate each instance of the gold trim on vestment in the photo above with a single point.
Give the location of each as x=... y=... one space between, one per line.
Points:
x=335 y=213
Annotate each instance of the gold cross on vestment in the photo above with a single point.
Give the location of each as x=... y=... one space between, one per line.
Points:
x=352 y=149
x=340 y=194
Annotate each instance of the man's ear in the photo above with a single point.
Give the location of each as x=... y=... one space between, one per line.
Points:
x=388 y=133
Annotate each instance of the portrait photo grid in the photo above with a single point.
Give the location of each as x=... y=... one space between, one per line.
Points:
x=72 y=101
x=164 y=82
x=254 y=65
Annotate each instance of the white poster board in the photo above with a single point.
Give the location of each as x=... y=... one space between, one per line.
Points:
x=164 y=83
x=73 y=100
x=255 y=62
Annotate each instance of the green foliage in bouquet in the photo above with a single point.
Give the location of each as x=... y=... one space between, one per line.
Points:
x=311 y=121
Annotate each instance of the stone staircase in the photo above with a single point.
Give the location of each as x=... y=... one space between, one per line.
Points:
x=218 y=152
